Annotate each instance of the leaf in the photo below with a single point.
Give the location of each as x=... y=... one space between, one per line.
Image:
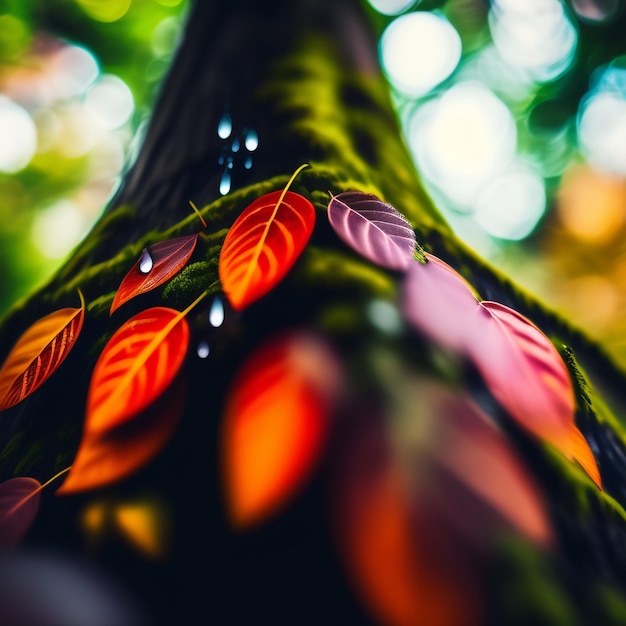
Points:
x=263 y=244
x=108 y=456
x=438 y=302
x=143 y=522
x=138 y=363
x=275 y=424
x=38 y=353
x=19 y=504
x=156 y=265
x=472 y=461
x=373 y=228
x=407 y=565
x=526 y=374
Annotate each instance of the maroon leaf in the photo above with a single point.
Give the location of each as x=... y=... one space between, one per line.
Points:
x=157 y=264
x=438 y=302
x=373 y=228
x=19 y=503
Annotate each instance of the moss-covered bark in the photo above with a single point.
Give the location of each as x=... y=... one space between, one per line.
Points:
x=303 y=75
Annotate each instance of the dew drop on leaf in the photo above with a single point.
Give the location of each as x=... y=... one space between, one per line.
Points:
x=203 y=349
x=216 y=314
x=251 y=140
x=235 y=146
x=225 y=183
x=145 y=262
x=225 y=126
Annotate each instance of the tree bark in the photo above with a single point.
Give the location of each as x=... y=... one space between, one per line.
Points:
x=304 y=76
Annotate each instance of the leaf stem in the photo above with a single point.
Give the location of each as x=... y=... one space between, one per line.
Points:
x=26 y=498
x=195 y=208
x=257 y=252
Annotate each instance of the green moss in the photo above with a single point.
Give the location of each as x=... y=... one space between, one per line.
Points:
x=192 y=279
x=337 y=270
x=528 y=590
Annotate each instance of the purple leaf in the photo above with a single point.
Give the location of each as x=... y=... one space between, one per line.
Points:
x=19 y=503
x=437 y=301
x=373 y=228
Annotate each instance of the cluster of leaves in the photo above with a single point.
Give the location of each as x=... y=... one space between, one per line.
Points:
x=279 y=408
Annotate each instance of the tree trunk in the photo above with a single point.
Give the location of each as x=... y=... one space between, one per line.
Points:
x=304 y=76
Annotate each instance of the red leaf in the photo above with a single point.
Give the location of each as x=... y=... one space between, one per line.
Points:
x=38 y=353
x=105 y=457
x=19 y=503
x=526 y=374
x=156 y=265
x=275 y=425
x=438 y=302
x=138 y=363
x=263 y=244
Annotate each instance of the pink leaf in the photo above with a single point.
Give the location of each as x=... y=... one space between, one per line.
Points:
x=373 y=228
x=19 y=503
x=526 y=374
x=438 y=302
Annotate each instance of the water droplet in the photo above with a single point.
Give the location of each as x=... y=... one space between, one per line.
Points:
x=145 y=262
x=229 y=163
x=225 y=182
x=251 y=141
x=216 y=314
x=235 y=146
x=225 y=126
x=220 y=160
x=248 y=163
x=203 y=349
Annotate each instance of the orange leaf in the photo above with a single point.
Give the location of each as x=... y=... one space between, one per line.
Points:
x=528 y=377
x=157 y=264
x=138 y=363
x=105 y=457
x=263 y=244
x=275 y=425
x=38 y=353
x=19 y=503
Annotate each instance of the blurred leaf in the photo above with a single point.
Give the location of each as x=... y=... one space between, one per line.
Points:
x=19 y=504
x=275 y=425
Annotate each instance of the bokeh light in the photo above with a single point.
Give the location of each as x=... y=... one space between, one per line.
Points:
x=57 y=229
x=110 y=101
x=602 y=131
x=511 y=204
x=591 y=204
x=461 y=140
x=535 y=35
x=105 y=10
x=19 y=136
x=392 y=7
x=419 y=50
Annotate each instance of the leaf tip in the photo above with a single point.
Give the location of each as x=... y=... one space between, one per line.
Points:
x=580 y=451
